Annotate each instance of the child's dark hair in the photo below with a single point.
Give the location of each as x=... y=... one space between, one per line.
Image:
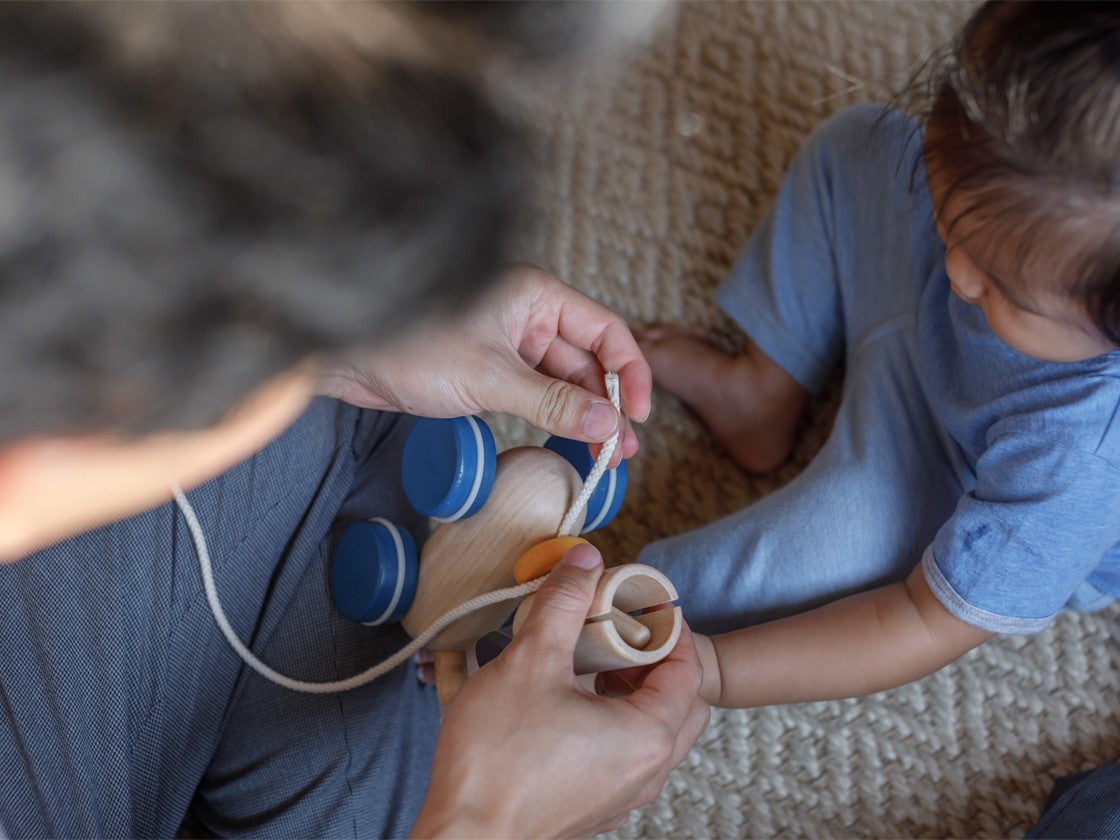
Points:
x=1024 y=134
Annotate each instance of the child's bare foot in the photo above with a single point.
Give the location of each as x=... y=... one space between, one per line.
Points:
x=750 y=405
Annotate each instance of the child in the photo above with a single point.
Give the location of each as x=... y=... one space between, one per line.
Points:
x=970 y=281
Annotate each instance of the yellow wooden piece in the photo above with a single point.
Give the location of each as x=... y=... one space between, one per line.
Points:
x=539 y=560
x=451 y=673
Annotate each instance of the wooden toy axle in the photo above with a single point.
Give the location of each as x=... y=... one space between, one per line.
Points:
x=632 y=631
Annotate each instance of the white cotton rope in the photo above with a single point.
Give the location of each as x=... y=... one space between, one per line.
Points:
x=485 y=600
x=568 y=527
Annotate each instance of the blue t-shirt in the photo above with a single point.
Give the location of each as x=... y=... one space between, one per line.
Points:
x=848 y=262
x=1043 y=440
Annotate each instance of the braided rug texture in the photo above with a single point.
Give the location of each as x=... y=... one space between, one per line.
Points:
x=650 y=182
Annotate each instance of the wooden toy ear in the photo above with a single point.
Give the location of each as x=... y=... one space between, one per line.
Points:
x=447 y=467
x=609 y=492
x=374 y=572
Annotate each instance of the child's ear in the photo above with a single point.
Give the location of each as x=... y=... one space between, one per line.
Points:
x=968 y=279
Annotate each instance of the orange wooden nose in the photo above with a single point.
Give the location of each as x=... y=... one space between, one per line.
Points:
x=539 y=560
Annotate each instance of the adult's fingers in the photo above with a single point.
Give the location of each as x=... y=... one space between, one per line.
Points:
x=560 y=607
x=588 y=325
x=557 y=406
x=671 y=692
x=565 y=359
x=627 y=445
x=692 y=728
x=591 y=326
x=615 y=823
x=572 y=364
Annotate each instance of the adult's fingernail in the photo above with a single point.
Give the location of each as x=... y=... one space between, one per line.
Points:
x=600 y=422
x=582 y=557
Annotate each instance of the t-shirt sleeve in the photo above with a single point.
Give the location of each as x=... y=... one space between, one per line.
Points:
x=1039 y=520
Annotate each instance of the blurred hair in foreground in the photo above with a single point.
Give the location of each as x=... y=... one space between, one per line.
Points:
x=195 y=197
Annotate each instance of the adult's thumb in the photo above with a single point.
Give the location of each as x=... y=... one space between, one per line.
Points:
x=561 y=408
x=560 y=606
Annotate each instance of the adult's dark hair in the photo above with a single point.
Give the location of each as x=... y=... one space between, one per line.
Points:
x=194 y=197
x=1024 y=132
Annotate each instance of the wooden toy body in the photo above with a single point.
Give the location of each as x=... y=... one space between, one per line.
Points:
x=533 y=489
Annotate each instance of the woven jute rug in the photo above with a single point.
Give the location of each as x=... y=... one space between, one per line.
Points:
x=650 y=183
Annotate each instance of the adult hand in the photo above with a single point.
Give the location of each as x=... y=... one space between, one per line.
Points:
x=526 y=751
x=534 y=348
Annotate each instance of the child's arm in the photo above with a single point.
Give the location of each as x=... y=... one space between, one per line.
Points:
x=858 y=645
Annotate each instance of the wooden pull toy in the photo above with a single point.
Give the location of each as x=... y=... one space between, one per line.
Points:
x=494 y=511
